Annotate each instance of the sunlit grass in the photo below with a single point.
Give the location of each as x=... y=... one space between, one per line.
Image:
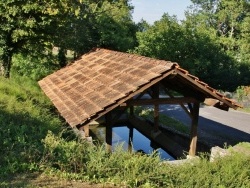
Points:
x=168 y=122
x=33 y=142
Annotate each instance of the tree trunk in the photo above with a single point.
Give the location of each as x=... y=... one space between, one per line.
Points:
x=6 y=57
x=6 y=64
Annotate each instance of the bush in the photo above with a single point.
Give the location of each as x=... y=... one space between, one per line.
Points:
x=34 y=68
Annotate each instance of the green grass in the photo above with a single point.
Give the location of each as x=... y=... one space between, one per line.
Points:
x=164 y=120
x=247 y=110
x=25 y=118
x=33 y=141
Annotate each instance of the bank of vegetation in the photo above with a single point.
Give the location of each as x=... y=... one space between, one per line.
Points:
x=35 y=140
x=212 y=43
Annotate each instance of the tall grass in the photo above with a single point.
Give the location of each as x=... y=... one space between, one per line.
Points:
x=25 y=118
x=32 y=140
x=81 y=160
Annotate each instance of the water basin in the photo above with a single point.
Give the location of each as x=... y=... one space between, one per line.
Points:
x=120 y=135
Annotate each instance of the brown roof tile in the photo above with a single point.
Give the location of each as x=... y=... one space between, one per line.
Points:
x=103 y=78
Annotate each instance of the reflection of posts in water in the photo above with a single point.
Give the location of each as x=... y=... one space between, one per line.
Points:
x=108 y=118
x=131 y=131
x=156 y=107
x=130 y=141
x=154 y=145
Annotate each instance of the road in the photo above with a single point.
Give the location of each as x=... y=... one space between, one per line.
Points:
x=217 y=127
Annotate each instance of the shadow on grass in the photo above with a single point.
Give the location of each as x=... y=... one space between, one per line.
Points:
x=21 y=145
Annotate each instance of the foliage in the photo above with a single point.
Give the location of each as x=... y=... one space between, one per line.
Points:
x=34 y=68
x=201 y=45
x=33 y=28
x=94 y=164
x=25 y=117
x=242 y=95
x=227 y=23
x=28 y=27
x=32 y=141
x=115 y=26
x=141 y=170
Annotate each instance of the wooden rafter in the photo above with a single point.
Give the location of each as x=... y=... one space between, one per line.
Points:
x=203 y=88
x=181 y=104
x=141 y=102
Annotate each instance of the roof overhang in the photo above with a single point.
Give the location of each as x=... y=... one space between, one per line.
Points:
x=102 y=80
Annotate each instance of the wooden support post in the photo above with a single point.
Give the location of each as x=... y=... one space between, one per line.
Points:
x=108 y=118
x=131 y=110
x=193 y=134
x=86 y=130
x=156 y=107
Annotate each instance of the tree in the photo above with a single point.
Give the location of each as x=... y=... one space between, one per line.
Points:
x=192 y=47
x=34 y=27
x=28 y=26
x=227 y=23
x=108 y=24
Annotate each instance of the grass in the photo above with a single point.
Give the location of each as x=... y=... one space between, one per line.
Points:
x=247 y=110
x=25 y=118
x=164 y=120
x=36 y=151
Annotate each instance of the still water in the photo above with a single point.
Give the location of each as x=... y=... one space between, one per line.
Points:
x=120 y=135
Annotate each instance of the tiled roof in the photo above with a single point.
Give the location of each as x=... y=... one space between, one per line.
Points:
x=103 y=79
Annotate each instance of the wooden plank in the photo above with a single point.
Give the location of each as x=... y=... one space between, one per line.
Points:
x=85 y=129
x=130 y=139
x=193 y=134
x=181 y=104
x=141 y=102
x=204 y=88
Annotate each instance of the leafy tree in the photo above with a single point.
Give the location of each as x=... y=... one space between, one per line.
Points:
x=115 y=25
x=192 y=48
x=159 y=40
x=28 y=26
x=35 y=27
x=227 y=22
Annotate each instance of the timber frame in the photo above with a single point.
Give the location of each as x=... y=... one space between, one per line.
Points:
x=102 y=81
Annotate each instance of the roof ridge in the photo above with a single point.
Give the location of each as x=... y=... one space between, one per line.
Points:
x=134 y=55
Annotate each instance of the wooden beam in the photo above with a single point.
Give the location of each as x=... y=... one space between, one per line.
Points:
x=108 y=118
x=159 y=101
x=204 y=88
x=131 y=111
x=181 y=104
x=85 y=129
x=193 y=134
x=118 y=103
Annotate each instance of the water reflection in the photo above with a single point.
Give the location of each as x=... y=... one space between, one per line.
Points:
x=120 y=135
